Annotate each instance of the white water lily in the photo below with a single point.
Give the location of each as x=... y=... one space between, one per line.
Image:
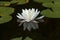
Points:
x=29 y=15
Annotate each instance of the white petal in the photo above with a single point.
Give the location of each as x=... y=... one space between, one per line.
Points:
x=20 y=16
x=33 y=9
x=41 y=17
x=35 y=15
x=29 y=14
x=36 y=10
x=23 y=10
x=29 y=9
x=24 y=25
x=26 y=14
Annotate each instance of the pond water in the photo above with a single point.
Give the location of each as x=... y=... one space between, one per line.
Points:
x=49 y=30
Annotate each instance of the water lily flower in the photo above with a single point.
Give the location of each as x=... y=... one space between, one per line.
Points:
x=28 y=18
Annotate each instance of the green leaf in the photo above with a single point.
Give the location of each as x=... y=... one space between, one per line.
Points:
x=50 y=14
x=5 y=18
x=56 y=0
x=48 y=4
x=56 y=10
x=19 y=38
x=44 y=1
x=20 y=1
x=27 y=38
x=5 y=14
x=52 y=5
x=13 y=1
x=6 y=10
x=4 y=3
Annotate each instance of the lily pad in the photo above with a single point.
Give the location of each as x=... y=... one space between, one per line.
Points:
x=19 y=38
x=56 y=11
x=5 y=14
x=44 y=1
x=50 y=14
x=52 y=5
x=27 y=38
x=4 y=3
x=20 y=1
x=6 y=10
x=5 y=18
x=49 y=4
x=13 y=1
x=56 y=0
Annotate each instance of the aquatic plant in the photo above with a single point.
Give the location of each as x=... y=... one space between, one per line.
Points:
x=5 y=14
x=5 y=10
x=53 y=11
x=20 y=38
x=52 y=4
x=28 y=17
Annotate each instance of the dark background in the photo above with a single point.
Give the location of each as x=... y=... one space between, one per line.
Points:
x=49 y=30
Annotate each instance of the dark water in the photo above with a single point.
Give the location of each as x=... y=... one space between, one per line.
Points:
x=49 y=30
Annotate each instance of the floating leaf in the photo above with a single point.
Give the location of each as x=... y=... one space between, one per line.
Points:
x=56 y=0
x=44 y=1
x=13 y=1
x=6 y=10
x=27 y=38
x=5 y=14
x=47 y=13
x=48 y=4
x=20 y=1
x=50 y=14
x=4 y=3
x=52 y=5
x=56 y=11
x=5 y=18
x=19 y=38
x=56 y=5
